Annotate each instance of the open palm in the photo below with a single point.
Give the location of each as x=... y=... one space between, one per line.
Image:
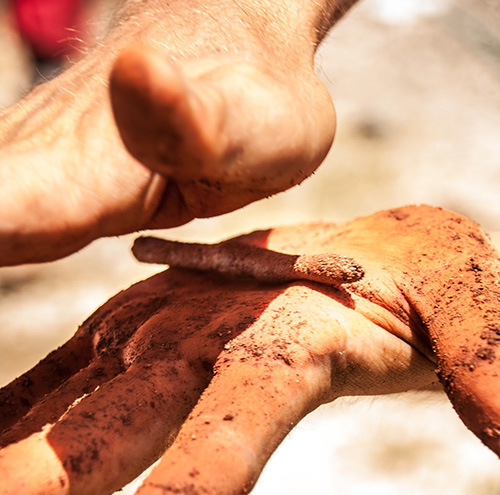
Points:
x=211 y=371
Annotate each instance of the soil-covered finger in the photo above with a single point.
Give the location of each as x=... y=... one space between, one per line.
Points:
x=238 y=259
x=253 y=401
x=54 y=404
x=104 y=332
x=449 y=271
x=19 y=396
x=111 y=436
x=462 y=315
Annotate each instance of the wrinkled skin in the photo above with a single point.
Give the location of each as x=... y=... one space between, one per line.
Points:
x=231 y=364
x=186 y=109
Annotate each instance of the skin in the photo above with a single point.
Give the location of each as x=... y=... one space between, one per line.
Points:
x=210 y=370
x=233 y=258
x=188 y=82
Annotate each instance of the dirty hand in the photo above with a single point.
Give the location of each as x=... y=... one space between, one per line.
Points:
x=219 y=101
x=211 y=368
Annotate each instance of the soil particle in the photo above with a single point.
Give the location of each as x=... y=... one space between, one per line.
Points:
x=90 y=415
x=486 y=354
x=285 y=358
x=174 y=490
x=398 y=214
x=94 y=454
x=75 y=463
x=126 y=419
x=27 y=382
x=491 y=335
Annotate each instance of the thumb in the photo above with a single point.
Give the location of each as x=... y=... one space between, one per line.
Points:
x=463 y=318
x=456 y=293
x=168 y=122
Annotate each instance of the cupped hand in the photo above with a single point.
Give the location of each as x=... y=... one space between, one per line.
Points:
x=223 y=132
x=208 y=135
x=210 y=370
x=218 y=105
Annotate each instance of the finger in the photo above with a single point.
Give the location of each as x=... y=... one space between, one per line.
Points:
x=241 y=418
x=53 y=405
x=450 y=273
x=463 y=318
x=237 y=259
x=19 y=396
x=31 y=467
x=111 y=436
x=110 y=325
x=166 y=121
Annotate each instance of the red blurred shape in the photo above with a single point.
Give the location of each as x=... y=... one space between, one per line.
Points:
x=50 y=27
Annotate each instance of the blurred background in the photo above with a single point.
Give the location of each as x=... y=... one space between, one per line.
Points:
x=416 y=84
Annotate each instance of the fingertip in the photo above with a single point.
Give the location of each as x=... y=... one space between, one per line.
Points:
x=324 y=125
x=145 y=71
x=472 y=390
x=139 y=248
x=144 y=88
x=150 y=250
x=166 y=121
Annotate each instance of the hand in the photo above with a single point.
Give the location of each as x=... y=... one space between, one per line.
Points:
x=230 y=365
x=219 y=131
x=219 y=101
